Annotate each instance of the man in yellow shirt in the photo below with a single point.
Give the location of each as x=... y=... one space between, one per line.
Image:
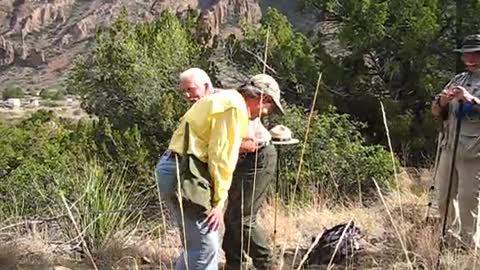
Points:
x=207 y=144
x=251 y=178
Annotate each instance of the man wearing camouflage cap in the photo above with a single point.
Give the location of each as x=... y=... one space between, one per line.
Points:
x=464 y=87
x=255 y=170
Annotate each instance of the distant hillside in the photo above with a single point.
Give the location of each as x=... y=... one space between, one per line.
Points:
x=40 y=38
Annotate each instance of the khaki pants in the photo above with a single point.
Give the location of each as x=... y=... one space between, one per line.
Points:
x=465 y=187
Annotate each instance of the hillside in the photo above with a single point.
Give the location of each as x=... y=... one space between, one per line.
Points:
x=39 y=39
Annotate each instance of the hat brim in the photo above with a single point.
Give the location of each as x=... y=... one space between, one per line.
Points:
x=279 y=106
x=467 y=50
x=291 y=141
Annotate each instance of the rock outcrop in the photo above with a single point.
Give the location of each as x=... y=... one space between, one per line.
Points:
x=216 y=13
x=34 y=33
x=7 y=52
x=233 y=12
x=35 y=17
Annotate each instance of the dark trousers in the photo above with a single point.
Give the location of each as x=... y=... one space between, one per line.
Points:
x=243 y=182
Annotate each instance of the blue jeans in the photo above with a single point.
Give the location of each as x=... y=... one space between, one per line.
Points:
x=202 y=245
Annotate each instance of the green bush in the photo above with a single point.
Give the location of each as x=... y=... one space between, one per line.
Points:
x=33 y=154
x=102 y=199
x=47 y=162
x=13 y=92
x=125 y=148
x=337 y=162
x=130 y=79
x=290 y=55
x=53 y=94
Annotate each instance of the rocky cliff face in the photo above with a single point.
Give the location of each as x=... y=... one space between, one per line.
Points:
x=40 y=38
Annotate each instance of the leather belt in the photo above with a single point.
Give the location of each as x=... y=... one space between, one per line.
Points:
x=263 y=144
x=259 y=147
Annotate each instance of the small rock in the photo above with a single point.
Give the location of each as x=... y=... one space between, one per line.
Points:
x=60 y=268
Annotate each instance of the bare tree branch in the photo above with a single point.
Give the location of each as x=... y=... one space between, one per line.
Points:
x=260 y=60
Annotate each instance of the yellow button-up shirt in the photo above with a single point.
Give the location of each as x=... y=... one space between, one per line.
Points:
x=218 y=123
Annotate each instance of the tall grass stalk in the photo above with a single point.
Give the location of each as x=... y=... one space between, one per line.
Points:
x=397 y=231
x=387 y=131
x=242 y=220
x=476 y=238
x=282 y=255
x=265 y=53
x=182 y=213
x=305 y=140
x=77 y=229
x=304 y=258
x=295 y=256
x=265 y=56
x=330 y=264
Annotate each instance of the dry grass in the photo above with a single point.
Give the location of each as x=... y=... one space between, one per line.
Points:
x=382 y=248
x=295 y=229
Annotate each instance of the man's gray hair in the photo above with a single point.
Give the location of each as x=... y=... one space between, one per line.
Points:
x=198 y=75
x=248 y=90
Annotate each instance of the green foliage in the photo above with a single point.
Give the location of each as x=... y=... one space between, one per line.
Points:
x=290 y=55
x=52 y=94
x=43 y=148
x=47 y=162
x=125 y=148
x=102 y=200
x=384 y=53
x=101 y=169
x=32 y=155
x=336 y=162
x=131 y=76
x=13 y=92
x=466 y=18
x=399 y=52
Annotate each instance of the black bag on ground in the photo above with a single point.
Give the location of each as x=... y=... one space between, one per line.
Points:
x=325 y=248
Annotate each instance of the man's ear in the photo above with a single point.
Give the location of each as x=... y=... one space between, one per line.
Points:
x=207 y=88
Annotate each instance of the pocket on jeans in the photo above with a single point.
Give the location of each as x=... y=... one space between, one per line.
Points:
x=166 y=172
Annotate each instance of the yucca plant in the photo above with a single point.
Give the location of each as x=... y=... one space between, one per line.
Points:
x=98 y=204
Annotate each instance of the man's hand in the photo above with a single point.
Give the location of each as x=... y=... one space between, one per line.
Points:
x=460 y=93
x=215 y=218
x=248 y=145
x=441 y=102
x=446 y=96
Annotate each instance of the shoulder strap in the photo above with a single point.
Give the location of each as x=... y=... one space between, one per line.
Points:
x=186 y=139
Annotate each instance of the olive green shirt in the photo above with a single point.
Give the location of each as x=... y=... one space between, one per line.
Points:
x=469 y=138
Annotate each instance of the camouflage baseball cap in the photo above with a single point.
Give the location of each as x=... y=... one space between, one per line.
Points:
x=266 y=85
x=471 y=43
